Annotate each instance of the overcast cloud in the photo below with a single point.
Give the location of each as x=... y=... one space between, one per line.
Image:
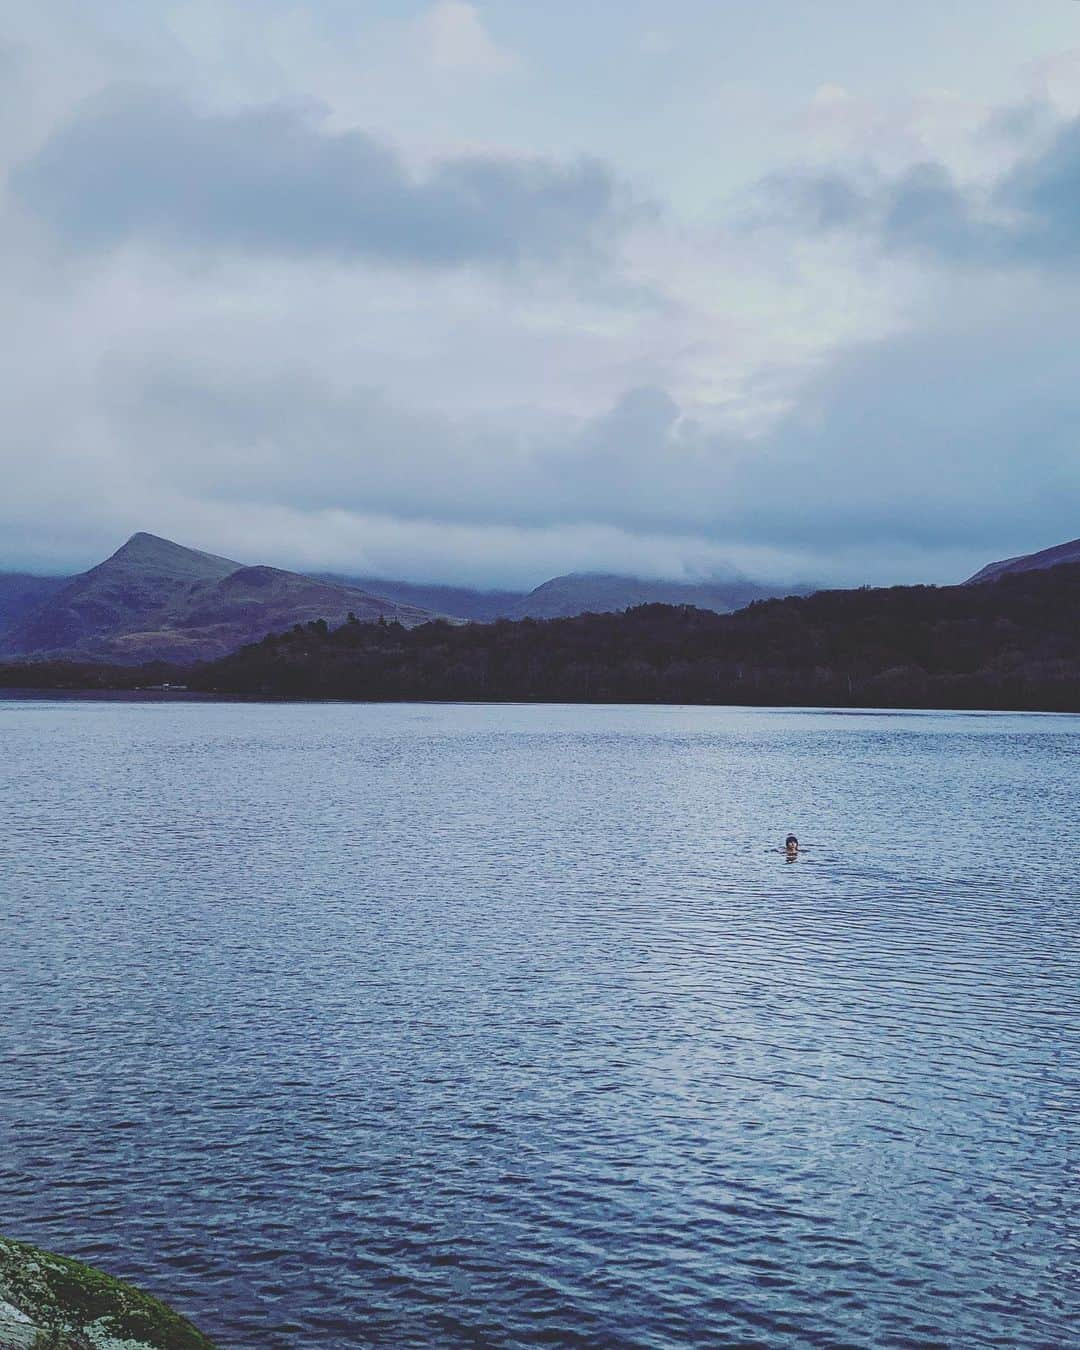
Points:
x=145 y=166
x=477 y=293
x=1026 y=215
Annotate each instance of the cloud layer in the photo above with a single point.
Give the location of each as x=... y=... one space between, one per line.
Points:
x=381 y=292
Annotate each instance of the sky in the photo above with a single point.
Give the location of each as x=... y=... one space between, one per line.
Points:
x=484 y=291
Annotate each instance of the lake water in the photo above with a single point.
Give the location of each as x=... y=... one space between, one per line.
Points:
x=441 y=1025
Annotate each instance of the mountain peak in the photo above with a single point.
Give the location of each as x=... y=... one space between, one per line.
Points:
x=151 y=553
x=142 y=540
x=157 y=600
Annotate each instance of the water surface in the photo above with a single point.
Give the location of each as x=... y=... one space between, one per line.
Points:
x=439 y=1025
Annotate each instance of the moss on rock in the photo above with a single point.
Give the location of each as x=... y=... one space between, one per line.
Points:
x=50 y=1302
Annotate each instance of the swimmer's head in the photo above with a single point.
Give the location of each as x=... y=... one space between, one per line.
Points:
x=791 y=843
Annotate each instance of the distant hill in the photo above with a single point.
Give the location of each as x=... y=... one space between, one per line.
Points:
x=458 y=602
x=575 y=593
x=607 y=592
x=21 y=593
x=1029 y=562
x=156 y=600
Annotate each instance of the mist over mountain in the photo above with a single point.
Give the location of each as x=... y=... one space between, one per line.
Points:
x=575 y=593
x=605 y=593
x=459 y=602
x=156 y=600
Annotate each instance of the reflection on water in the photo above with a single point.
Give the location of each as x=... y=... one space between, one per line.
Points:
x=438 y=1025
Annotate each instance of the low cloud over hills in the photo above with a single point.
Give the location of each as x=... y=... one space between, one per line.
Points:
x=154 y=600
x=602 y=592
x=576 y=593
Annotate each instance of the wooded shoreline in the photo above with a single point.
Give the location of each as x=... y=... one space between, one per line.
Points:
x=1012 y=645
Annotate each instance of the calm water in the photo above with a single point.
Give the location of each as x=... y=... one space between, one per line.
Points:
x=414 y=1025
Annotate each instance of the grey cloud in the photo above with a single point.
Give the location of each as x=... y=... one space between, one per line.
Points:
x=921 y=210
x=823 y=200
x=925 y=210
x=1018 y=123
x=1045 y=189
x=1028 y=216
x=642 y=418
x=961 y=438
x=143 y=165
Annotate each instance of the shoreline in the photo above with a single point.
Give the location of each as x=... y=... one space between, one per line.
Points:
x=51 y=1300
x=45 y=694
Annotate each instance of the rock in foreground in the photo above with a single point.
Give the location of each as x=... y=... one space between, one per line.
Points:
x=49 y=1302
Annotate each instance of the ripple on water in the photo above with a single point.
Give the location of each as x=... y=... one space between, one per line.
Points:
x=350 y=1025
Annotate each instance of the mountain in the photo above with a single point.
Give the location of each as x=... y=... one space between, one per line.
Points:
x=21 y=593
x=606 y=592
x=459 y=602
x=575 y=593
x=146 y=577
x=1029 y=562
x=156 y=600
x=1015 y=644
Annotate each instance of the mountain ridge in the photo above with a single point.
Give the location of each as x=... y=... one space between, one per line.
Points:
x=574 y=593
x=474 y=604
x=1015 y=645
x=153 y=599
x=156 y=599
x=1055 y=556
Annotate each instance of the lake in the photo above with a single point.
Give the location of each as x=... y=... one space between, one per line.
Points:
x=422 y=1025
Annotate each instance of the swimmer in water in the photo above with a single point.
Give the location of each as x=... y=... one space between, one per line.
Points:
x=791 y=848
